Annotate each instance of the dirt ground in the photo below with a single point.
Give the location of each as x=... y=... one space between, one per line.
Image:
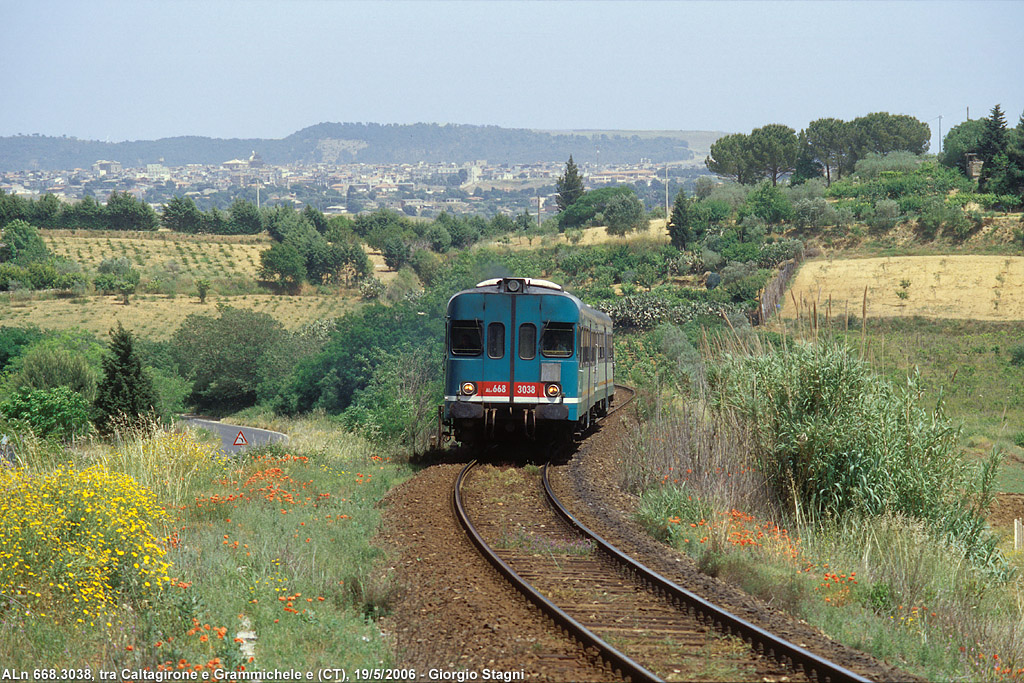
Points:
x=954 y=287
x=1006 y=508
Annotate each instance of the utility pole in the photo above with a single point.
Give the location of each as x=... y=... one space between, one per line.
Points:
x=666 y=194
x=538 y=211
x=940 y=133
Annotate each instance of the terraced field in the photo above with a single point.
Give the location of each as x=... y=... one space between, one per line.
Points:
x=169 y=263
x=208 y=256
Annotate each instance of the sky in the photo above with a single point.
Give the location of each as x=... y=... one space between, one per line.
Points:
x=145 y=69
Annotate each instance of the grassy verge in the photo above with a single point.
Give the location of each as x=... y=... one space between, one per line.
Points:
x=882 y=586
x=755 y=484
x=259 y=562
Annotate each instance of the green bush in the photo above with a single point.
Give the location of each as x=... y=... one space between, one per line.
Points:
x=60 y=411
x=833 y=439
x=1017 y=355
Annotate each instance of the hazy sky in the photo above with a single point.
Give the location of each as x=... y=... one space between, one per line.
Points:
x=144 y=69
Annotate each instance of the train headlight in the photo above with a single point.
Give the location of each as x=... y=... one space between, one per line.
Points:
x=513 y=285
x=468 y=388
x=552 y=390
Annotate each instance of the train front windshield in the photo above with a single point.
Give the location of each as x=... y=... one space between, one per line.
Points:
x=466 y=339
x=556 y=341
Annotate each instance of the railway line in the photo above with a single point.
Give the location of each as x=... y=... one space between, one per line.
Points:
x=642 y=625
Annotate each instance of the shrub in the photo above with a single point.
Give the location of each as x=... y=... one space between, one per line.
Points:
x=60 y=411
x=814 y=213
x=774 y=253
x=371 y=288
x=1017 y=355
x=874 y=165
x=84 y=540
x=48 y=367
x=886 y=215
x=835 y=439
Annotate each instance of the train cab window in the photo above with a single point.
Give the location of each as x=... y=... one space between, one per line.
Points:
x=466 y=339
x=527 y=341
x=556 y=340
x=495 y=340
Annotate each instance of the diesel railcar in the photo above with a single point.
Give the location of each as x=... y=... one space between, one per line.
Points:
x=523 y=359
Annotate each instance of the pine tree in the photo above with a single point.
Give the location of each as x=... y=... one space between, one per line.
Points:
x=991 y=146
x=680 y=229
x=570 y=186
x=126 y=390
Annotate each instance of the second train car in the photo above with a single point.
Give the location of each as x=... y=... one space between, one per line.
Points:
x=524 y=358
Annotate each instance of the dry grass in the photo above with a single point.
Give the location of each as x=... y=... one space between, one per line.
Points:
x=969 y=287
x=158 y=316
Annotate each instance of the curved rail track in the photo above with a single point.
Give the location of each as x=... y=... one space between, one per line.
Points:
x=657 y=620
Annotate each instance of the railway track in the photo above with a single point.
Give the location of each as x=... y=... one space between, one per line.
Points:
x=642 y=625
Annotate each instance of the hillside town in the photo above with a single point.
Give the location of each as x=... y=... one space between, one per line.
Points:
x=421 y=189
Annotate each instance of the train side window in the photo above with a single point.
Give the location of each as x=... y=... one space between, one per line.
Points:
x=527 y=341
x=600 y=346
x=496 y=340
x=556 y=340
x=466 y=338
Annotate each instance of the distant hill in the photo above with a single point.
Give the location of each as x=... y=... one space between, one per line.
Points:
x=361 y=142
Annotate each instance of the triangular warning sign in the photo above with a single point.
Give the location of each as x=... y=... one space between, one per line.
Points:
x=240 y=440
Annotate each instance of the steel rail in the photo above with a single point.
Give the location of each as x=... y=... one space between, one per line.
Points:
x=626 y=667
x=778 y=648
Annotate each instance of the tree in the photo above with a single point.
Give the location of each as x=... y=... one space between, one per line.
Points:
x=569 y=186
x=202 y=288
x=85 y=213
x=22 y=244
x=680 y=229
x=501 y=224
x=125 y=212
x=215 y=222
x=773 y=151
x=12 y=207
x=991 y=146
x=882 y=132
x=283 y=263
x=396 y=252
x=316 y=218
x=126 y=391
x=245 y=218
x=229 y=356
x=961 y=140
x=46 y=211
x=181 y=214
x=731 y=158
x=769 y=203
x=826 y=141
x=588 y=207
x=624 y=213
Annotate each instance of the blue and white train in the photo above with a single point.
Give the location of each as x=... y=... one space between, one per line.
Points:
x=524 y=358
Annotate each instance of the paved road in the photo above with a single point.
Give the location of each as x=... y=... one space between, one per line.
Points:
x=229 y=434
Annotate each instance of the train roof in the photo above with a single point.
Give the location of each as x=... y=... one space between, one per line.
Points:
x=529 y=285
